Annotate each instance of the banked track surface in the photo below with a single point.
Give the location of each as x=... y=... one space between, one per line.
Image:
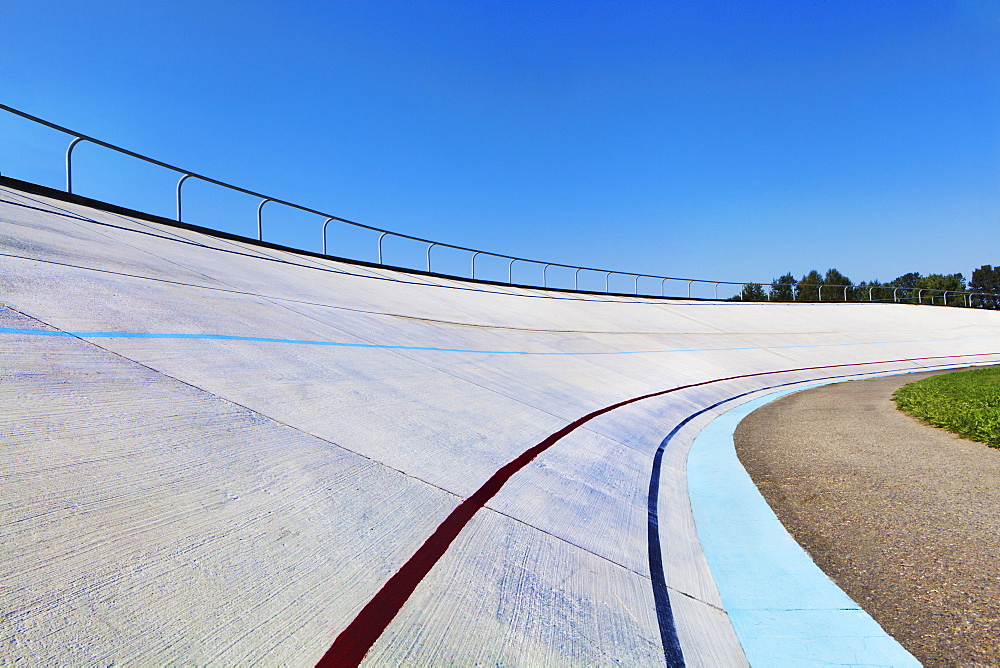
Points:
x=221 y=453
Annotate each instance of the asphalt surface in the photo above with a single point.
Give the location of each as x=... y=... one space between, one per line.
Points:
x=903 y=516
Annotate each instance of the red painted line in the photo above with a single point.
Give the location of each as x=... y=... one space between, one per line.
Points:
x=353 y=643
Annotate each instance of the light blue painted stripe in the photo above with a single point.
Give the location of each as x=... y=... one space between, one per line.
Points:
x=785 y=610
x=307 y=342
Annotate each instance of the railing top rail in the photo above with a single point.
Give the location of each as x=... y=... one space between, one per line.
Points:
x=293 y=205
x=79 y=136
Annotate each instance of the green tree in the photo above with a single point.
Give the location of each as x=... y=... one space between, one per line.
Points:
x=859 y=293
x=808 y=288
x=874 y=290
x=907 y=283
x=986 y=279
x=934 y=287
x=835 y=278
x=752 y=292
x=783 y=288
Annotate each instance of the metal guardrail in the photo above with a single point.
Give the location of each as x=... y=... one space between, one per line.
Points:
x=78 y=137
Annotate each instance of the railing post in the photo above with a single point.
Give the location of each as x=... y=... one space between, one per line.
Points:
x=179 y=184
x=820 y=294
x=429 y=247
x=576 y=279
x=742 y=288
x=689 y=289
x=260 y=221
x=607 y=282
x=474 y=264
x=325 y=223
x=510 y=271
x=870 y=298
x=944 y=300
x=69 y=163
x=663 y=288
x=635 y=287
x=545 y=280
x=380 y=237
x=845 y=292
x=717 y=292
x=920 y=296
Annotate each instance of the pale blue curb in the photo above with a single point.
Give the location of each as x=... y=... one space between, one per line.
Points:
x=785 y=610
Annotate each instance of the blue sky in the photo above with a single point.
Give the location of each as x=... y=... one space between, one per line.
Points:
x=725 y=140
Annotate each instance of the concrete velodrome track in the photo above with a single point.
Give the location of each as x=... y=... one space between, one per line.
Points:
x=220 y=453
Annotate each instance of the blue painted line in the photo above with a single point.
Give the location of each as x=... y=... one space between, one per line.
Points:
x=339 y=344
x=664 y=614
x=784 y=609
x=657 y=574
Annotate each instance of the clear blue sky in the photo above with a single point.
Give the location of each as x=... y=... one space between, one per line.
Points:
x=727 y=140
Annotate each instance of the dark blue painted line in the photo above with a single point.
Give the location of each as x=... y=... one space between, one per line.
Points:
x=664 y=614
x=672 y=653
x=339 y=344
x=353 y=643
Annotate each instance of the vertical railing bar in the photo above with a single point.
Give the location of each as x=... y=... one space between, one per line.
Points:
x=689 y=288
x=545 y=280
x=607 y=282
x=180 y=182
x=717 y=291
x=635 y=287
x=663 y=288
x=474 y=264
x=380 y=237
x=576 y=279
x=69 y=163
x=260 y=220
x=325 y=223
x=429 y=247
x=510 y=271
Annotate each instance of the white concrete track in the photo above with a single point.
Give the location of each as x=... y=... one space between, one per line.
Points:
x=195 y=475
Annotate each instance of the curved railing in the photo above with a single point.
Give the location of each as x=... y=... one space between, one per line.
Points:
x=78 y=137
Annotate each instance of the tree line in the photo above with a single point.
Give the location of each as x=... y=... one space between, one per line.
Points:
x=836 y=287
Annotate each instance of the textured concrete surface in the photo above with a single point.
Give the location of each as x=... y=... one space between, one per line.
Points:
x=229 y=450
x=903 y=516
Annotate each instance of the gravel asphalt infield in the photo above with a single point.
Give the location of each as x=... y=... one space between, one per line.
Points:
x=902 y=516
x=785 y=611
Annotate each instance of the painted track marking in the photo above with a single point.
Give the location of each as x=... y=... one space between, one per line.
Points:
x=388 y=346
x=354 y=642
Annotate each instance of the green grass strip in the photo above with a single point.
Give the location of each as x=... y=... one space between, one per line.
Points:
x=966 y=403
